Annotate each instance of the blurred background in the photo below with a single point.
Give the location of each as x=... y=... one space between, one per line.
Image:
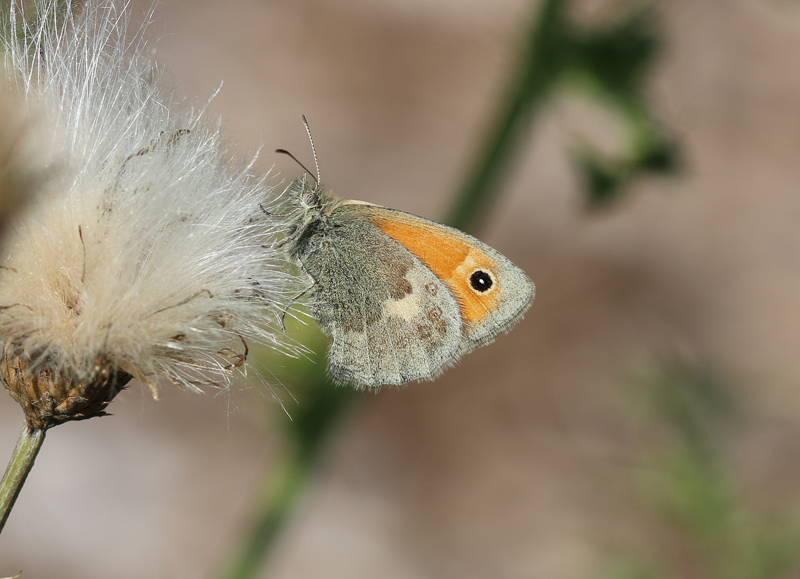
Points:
x=642 y=421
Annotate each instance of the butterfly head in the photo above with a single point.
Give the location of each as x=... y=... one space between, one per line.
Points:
x=308 y=193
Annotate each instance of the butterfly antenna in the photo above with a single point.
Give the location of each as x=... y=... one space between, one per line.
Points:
x=285 y=152
x=313 y=150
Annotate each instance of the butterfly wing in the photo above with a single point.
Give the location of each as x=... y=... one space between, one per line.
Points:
x=492 y=293
x=391 y=319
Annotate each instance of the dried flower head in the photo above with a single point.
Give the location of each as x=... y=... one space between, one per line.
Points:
x=146 y=253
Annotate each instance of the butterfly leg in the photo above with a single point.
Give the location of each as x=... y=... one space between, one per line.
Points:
x=297 y=297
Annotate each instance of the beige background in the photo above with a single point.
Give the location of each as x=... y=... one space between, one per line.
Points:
x=519 y=463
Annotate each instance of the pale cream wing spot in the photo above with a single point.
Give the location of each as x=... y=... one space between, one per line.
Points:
x=406 y=308
x=417 y=338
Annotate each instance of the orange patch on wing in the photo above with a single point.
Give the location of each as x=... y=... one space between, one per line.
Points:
x=451 y=258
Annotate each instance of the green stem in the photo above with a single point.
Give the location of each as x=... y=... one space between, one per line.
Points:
x=541 y=63
x=28 y=445
x=279 y=504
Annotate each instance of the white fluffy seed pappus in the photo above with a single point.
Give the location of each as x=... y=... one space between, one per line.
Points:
x=146 y=247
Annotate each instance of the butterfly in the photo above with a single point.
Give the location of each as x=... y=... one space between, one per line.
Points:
x=402 y=297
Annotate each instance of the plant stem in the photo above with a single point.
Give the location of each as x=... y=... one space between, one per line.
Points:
x=286 y=488
x=541 y=62
x=28 y=445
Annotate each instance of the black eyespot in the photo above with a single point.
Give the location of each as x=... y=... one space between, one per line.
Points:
x=481 y=281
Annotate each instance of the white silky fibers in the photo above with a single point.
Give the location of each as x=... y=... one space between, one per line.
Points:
x=146 y=247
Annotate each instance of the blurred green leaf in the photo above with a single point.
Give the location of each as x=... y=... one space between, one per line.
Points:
x=611 y=63
x=692 y=401
x=619 y=57
x=628 y=567
x=693 y=487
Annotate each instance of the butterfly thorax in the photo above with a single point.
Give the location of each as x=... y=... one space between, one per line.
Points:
x=312 y=222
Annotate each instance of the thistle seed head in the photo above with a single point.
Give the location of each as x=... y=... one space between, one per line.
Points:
x=146 y=252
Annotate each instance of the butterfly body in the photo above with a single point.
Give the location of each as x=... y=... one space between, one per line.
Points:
x=402 y=297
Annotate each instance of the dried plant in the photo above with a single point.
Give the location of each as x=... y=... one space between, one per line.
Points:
x=146 y=252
